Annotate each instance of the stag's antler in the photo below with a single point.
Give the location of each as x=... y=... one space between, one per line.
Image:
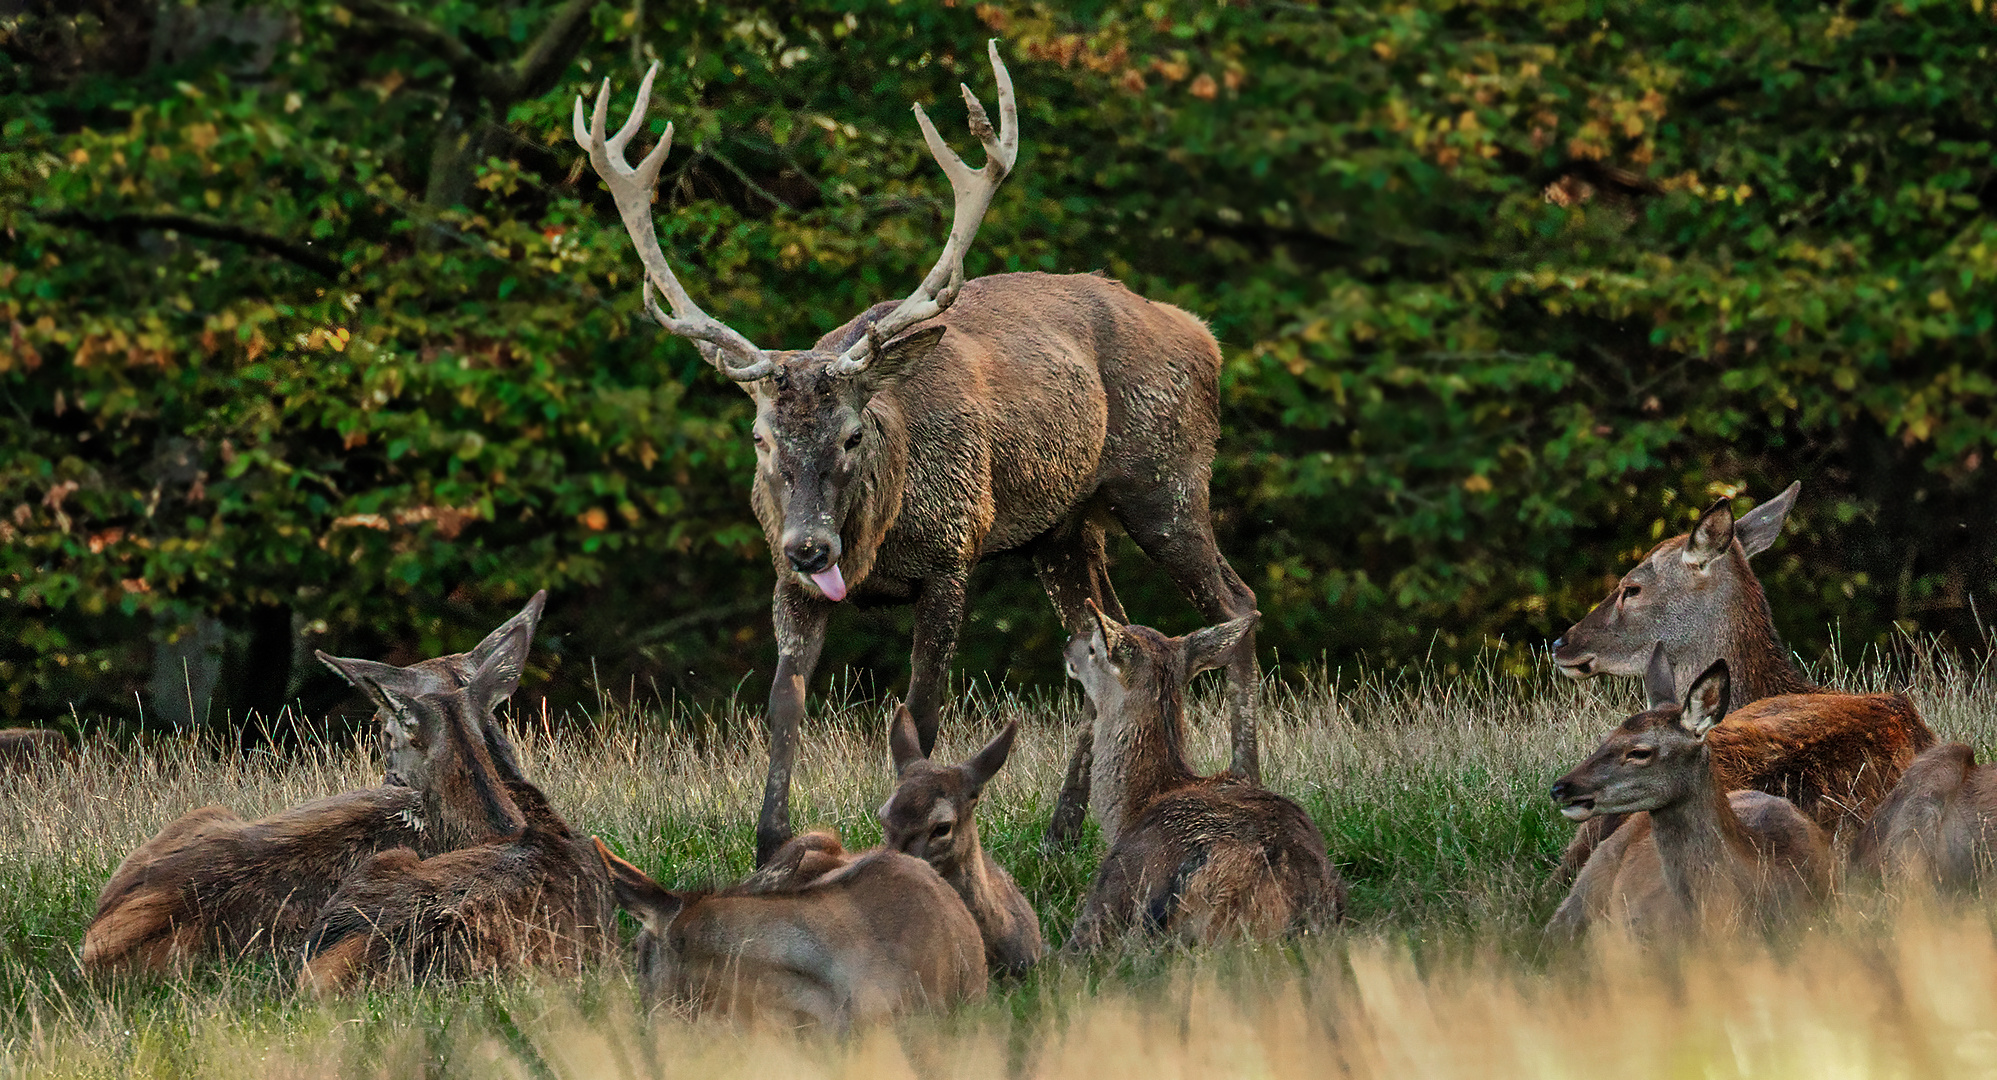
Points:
x=632 y=188
x=974 y=189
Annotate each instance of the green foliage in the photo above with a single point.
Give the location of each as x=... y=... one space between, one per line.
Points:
x=1508 y=291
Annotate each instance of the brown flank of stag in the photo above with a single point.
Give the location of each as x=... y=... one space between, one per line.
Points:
x=932 y=816
x=1834 y=755
x=876 y=935
x=211 y=883
x=518 y=888
x=1191 y=857
x=1699 y=858
x=1936 y=828
x=1022 y=411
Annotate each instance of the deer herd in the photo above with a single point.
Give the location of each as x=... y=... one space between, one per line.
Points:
x=1027 y=412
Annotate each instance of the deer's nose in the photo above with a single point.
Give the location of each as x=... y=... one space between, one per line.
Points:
x=1561 y=790
x=1560 y=642
x=809 y=555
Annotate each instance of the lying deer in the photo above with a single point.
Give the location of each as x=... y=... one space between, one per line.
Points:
x=1937 y=826
x=514 y=886
x=1192 y=857
x=932 y=816
x=24 y=748
x=860 y=940
x=211 y=883
x=1010 y=412
x=1697 y=856
x=1834 y=755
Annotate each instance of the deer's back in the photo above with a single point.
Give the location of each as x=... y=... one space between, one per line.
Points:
x=211 y=880
x=1937 y=825
x=1213 y=861
x=879 y=936
x=1835 y=756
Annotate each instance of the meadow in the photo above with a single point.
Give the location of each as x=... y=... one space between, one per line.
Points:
x=1430 y=786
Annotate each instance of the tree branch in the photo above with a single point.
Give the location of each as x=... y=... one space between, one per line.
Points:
x=451 y=49
x=213 y=230
x=537 y=70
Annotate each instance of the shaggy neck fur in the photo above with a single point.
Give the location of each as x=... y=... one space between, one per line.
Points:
x=1139 y=752
x=466 y=801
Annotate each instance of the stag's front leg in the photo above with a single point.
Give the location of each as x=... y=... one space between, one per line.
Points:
x=800 y=626
x=939 y=615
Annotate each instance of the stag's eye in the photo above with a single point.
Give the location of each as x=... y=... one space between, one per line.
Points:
x=1639 y=756
x=940 y=832
x=853 y=442
x=757 y=438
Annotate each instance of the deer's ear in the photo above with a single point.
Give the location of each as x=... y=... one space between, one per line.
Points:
x=498 y=672
x=904 y=742
x=1706 y=703
x=1215 y=646
x=902 y=354
x=637 y=893
x=1759 y=528
x=1109 y=633
x=1711 y=536
x=1660 y=683
x=986 y=763
x=528 y=618
x=388 y=686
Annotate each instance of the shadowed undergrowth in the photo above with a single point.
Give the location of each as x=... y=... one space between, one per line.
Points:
x=1430 y=792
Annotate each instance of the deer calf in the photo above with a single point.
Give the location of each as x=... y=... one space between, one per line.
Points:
x=514 y=887
x=932 y=816
x=1694 y=856
x=1191 y=857
x=862 y=939
x=212 y=883
x=1834 y=755
x=1937 y=826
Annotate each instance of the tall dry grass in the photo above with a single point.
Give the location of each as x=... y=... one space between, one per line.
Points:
x=1430 y=789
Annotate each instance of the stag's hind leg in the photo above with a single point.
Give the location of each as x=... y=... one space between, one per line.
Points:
x=1073 y=563
x=1171 y=522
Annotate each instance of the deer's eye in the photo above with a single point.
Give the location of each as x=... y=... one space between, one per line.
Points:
x=1630 y=591
x=1639 y=756
x=853 y=442
x=940 y=832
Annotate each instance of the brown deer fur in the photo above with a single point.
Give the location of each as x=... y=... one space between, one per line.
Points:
x=932 y=816
x=212 y=883
x=1834 y=755
x=1029 y=414
x=516 y=888
x=1698 y=858
x=875 y=935
x=1937 y=827
x=1191 y=857
x=23 y=748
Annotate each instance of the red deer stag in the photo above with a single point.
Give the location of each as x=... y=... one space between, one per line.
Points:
x=212 y=883
x=1198 y=858
x=932 y=815
x=1834 y=755
x=514 y=887
x=1937 y=827
x=1698 y=857
x=832 y=939
x=1012 y=412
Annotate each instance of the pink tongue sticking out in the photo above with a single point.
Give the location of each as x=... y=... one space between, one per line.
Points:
x=831 y=582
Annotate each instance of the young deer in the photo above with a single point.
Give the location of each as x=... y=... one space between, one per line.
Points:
x=212 y=883
x=1834 y=755
x=1938 y=825
x=1197 y=858
x=831 y=939
x=932 y=816
x=514 y=887
x=1697 y=857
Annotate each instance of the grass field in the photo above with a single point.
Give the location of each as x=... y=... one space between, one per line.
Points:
x=1430 y=790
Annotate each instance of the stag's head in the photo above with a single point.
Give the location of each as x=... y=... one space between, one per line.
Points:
x=814 y=424
x=931 y=813
x=1684 y=592
x=1655 y=757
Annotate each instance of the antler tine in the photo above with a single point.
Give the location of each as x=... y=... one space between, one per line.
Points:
x=974 y=189
x=631 y=188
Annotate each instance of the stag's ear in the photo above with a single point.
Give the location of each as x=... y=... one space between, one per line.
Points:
x=529 y=618
x=1215 y=646
x=388 y=686
x=1706 y=703
x=1759 y=528
x=498 y=672
x=986 y=763
x=1660 y=683
x=904 y=742
x=1711 y=536
x=902 y=354
x=637 y=893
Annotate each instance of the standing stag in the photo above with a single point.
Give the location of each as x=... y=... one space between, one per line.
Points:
x=1013 y=412
x=1834 y=755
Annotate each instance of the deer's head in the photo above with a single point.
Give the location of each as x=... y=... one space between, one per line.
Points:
x=1684 y=592
x=1123 y=666
x=813 y=423
x=931 y=813
x=1655 y=757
